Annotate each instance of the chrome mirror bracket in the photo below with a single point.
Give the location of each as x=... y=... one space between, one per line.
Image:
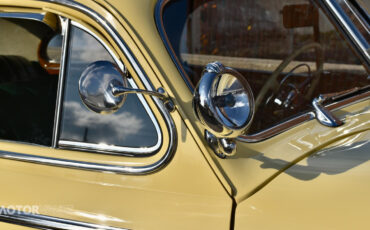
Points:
x=119 y=90
x=222 y=147
x=168 y=103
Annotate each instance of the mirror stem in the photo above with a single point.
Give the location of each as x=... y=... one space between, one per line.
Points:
x=160 y=93
x=118 y=91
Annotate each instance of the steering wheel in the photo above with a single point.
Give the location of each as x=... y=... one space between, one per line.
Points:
x=50 y=65
x=273 y=84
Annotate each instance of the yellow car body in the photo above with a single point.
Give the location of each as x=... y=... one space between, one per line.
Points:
x=309 y=176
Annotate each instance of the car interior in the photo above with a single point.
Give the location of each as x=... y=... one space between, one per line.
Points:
x=28 y=80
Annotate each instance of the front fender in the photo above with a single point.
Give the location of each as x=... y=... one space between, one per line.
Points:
x=327 y=190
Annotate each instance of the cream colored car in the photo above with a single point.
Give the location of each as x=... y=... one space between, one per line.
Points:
x=180 y=114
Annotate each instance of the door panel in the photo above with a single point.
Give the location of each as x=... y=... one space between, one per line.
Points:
x=185 y=194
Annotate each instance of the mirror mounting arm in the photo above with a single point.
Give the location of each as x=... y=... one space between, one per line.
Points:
x=160 y=93
x=103 y=88
x=119 y=90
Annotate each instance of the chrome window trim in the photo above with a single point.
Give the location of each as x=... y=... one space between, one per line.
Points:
x=104 y=148
x=90 y=166
x=46 y=222
x=82 y=165
x=272 y=131
x=158 y=13
x=348 y=27
x=65 y=23
x=113 y=149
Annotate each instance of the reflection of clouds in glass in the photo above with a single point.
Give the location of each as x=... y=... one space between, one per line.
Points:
x=86 y=49
x=120 y=125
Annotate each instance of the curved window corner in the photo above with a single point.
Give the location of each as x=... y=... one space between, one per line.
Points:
x=41 y=66
x=132 y=131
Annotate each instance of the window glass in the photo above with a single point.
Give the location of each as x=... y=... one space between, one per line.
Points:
x=365 y=5
x=27 y=89
x=130 y=126
x=255 y=37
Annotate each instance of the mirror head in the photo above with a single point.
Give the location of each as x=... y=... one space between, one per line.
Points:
x=223 y=101
x=96 y=86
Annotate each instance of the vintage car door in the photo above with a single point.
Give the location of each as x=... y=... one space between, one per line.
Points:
x=65 y=165
x=303 y=161
x=150 y=164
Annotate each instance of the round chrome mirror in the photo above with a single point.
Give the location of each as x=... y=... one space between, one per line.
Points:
x=223 y=101
x=97 y=84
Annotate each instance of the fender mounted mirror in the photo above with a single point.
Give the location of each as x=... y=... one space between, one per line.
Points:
x=224 y=103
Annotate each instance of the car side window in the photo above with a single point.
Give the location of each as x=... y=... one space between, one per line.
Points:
x=28 y=88
x=131 y=126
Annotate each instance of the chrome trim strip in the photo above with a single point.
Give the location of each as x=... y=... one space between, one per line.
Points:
x=106 y=149
x=51 y=161
x=46 y=222
x=58 y=109
x=172 y=146
x=111 y=149
x=160 y=27
x=275 y=130
x=337 y=12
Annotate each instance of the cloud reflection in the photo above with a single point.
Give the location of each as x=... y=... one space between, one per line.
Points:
x=86 y=49
x=118 y=125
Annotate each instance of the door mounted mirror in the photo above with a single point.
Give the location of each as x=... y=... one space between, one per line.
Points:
x=103 y=88
x=224 y=103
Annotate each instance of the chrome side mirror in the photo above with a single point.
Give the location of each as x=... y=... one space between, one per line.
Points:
x=223 y=102
x=103 y=88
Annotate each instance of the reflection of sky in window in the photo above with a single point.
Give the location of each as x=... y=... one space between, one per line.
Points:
x=130 y=126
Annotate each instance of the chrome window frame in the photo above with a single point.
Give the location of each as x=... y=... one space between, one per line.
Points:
x=83 y=165
x=291 y=123
x=333 y=8
x=56 y=141
x=65 y=46
x=108 y=149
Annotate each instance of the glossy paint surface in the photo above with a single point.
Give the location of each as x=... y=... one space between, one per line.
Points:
x=251 y=168
x=327 y=190
x=184 y=194
x=257 y=164
x=194 y=190
x=12 y=226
